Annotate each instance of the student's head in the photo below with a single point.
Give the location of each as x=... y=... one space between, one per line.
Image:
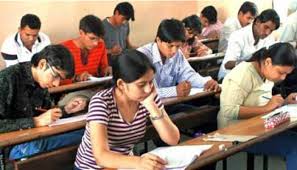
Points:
x=133 y=74
x=29 y=29
x=123 y=12
x=170 y=37
x=265 y=23
x=247 y=13
x=51 y=65
x=91 y=31
x=192 y=26
x=208 y=16
x=276 y=62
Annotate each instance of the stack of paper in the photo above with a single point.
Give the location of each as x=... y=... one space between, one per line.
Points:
x=69 y=120
x=179 y=157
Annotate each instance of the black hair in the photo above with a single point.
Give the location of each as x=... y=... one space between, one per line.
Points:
x=210 y=13
x=171 y=30
x=282 y=54
x=57 y=56
x=130 y=66
x=269 y=15
x=30 y=20
x=125 y=9
x=193 y=22
x=248 y=6
x=92 y=24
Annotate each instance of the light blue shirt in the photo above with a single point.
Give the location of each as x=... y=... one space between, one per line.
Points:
x=174 y=70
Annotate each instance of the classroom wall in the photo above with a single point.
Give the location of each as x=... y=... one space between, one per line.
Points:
x=60 y=18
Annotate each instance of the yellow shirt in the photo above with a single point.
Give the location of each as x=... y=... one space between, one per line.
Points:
x=242 y=87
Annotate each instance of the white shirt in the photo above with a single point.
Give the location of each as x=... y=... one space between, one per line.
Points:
x=290 y=30
x=230 y=25
x=13 y=50
x=241 y=47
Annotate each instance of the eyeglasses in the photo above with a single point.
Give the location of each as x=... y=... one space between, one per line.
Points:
x=54 y=73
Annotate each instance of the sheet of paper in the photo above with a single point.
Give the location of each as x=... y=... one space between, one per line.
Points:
x=291 y=108
x=195 y=91
x=180 y=156
x=69 y=120
x=100 y=79
x=228 y=138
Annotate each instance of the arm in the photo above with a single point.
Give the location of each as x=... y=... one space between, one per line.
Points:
x=103 y=68
x=233 y=52
x=168 y=132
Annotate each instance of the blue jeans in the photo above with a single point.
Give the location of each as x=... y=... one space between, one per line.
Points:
x=284 y=144
x=47 y=144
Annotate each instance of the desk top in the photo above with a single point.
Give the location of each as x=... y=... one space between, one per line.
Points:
x=254 y=126
x=207 y=57
x=16 y=137
x=79 y=85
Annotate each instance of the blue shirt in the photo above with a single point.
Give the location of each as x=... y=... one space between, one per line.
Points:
x=174 y=70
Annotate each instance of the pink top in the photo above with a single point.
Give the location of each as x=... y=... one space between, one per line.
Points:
x=212 y=29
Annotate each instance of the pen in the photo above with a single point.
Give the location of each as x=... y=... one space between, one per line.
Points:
x=268 y=98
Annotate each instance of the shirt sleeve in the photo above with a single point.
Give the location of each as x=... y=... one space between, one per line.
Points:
x=7 y=123
x=234 y=49
x=98 y=111
x=288 y=33
x=187 y=73
x=234 y=93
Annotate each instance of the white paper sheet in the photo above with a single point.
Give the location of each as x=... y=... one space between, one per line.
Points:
x=195 y=91
x=291 y=108
x=100 y=79
x=69 y=120
x=228 y=138
x=179 y=157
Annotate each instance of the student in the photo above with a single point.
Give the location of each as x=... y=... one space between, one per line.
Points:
x=24 y=90
x=117 y=118
x=174 y=75
x=246 y=14
x=243 y=92
x=192 y=46
x=211 y=25
x=245 y=41
x=117 y=30
x=20 y=47
x=289 y=33
x=88 y=50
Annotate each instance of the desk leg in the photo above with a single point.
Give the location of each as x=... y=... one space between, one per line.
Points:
x=2 y=159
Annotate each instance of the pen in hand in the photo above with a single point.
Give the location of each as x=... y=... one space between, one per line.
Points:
x=268 y=98
x=40 y=109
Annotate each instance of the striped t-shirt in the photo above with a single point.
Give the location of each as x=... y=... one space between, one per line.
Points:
x=121 y=135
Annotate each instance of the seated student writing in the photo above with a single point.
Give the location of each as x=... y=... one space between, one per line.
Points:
x=193 y=47
x=117 y=118
x=174 y=75
x=211 y=25
x=245 y=93
x=24 y=91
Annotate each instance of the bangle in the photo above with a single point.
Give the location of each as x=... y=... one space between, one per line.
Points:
x=157 y=117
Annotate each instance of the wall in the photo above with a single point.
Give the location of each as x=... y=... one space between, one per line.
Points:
x=60 y=18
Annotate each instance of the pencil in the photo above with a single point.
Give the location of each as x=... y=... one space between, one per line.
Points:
x=268 y=98
x=40 y=109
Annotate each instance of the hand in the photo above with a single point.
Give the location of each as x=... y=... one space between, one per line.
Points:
x=116 y=50
x=186 y=50
x=48 y=117
x=108 y=71
x=275 y=102
x=202 y=50
x=183 y=88
x=76 y=104
x=83 y=76
x=291 y=99
x=150 y=100
x=150 y=162
x=212 y=85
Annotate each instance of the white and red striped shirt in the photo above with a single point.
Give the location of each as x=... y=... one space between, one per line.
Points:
x=121 y=135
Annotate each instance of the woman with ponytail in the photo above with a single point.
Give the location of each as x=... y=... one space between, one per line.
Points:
x=247 y=92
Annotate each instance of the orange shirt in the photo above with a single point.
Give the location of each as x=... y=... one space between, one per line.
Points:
x=97 y=59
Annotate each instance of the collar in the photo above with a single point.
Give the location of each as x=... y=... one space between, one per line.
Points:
x=238 y=23
x=17 y=39
x=156 y=54
x=250 y=34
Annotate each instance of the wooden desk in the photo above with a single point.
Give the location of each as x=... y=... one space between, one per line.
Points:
x=79 y=86
x=254 y=126
x=215 y=56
